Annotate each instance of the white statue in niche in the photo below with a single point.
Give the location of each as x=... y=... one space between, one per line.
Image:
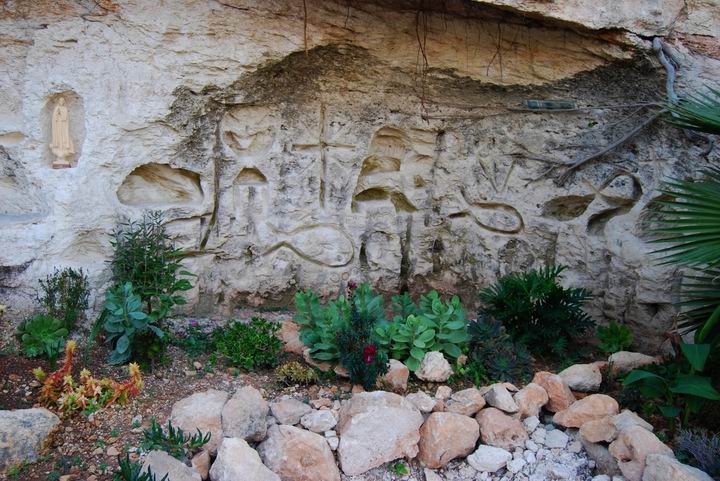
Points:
x=61 y=144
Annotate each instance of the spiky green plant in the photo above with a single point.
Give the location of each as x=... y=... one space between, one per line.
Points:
x=698 y=111
x=689 y=221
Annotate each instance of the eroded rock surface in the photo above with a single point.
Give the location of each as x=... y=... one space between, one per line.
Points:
x=374 y=428
x=319 y=154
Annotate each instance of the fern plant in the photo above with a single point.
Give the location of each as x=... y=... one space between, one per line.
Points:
x=494 y=356
x=537 y=310
x=615 y=337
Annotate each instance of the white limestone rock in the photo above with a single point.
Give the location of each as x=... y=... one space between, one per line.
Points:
x=375 y=428
x=24 y=434
x=489 y=459
x=434 y=368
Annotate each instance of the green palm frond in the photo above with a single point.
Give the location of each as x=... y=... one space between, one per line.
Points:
x=690 y=221
x=699 y=111
x=701 y=303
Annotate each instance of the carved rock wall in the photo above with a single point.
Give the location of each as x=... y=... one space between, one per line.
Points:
x=378 y=141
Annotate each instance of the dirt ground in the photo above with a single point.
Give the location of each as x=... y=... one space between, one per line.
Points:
x=87 y=447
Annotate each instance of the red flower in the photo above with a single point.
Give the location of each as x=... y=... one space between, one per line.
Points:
x=369 y=353
x=352 y=285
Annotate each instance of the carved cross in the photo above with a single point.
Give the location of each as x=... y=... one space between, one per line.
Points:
x=322 y=146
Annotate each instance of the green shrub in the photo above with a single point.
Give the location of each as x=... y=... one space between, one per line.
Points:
x=195 y=341
x=320 y=324
x=678 y=388
x=357 y=345
x=64 y=295
x=130 y=332
x=249 y=346
x=538 y=311
x=434 y=326
x=293 y=372
x=494 y=356
x=615 y=337
x=146 y=257
x=146 y=260
x=42 y=335
x=174 y=442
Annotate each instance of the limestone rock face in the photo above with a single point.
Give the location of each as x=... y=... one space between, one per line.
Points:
x=289 y=333
x=530 y=400
x=467 y=402
x=489 y=459
x=203 y=411
x=582 y=377
x=162 y=464
x=397 y=376
x=659 y=467
x=446 y=436
x=244 y=415
x=624 y=361
x=24 y=434
x=631 y=449
x=500 y=430
x=237 y=460
x=307 y=154
x=593 y=407
x=289 y=411
x=559 y=395
x=499 y=397
x=434 y=367
x=607 y=428
x=318 y=421
x=422 y=401
x=298 y=455
x=374 y=428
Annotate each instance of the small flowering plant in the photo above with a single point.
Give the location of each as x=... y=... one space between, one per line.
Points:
x=358 y=348
x=61 y=391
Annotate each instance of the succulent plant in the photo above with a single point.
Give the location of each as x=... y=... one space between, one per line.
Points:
x=500 y=357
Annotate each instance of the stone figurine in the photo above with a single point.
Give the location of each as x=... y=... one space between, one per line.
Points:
x=61 y=144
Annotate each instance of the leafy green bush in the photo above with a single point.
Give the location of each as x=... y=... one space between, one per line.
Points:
x=146 y=257
x=146 y=260
x=293 y=372
x=434 y=326
x=195 y=341
x=320 y=324
x=615 y=337
x=357 y=344
x=42 y=335
x=677 y=387
x=494 y=356
x=65 y=295
x=174 y=442
x=128 y=328
x=538 y=311
x=249 y=346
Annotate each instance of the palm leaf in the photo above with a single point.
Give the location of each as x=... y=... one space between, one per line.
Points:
x=688 y=223
x=699 y=111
